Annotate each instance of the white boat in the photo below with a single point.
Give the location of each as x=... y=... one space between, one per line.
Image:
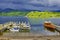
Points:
x=25 y=26
x=17 y=26
x=14 y=30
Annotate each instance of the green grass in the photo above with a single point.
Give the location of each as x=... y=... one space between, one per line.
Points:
x=32 y=14
x=37 y=14
x=13 y=13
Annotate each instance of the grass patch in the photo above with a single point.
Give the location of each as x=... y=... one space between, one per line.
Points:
x=37 y=14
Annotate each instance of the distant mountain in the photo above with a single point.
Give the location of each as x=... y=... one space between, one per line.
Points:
x=55 y=10
x=0 y=10
x=9 y=10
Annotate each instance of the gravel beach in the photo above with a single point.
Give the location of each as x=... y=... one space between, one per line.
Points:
x=28 y=36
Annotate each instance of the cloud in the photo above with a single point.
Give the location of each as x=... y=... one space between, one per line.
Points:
x=30 y=4
x=54 y=2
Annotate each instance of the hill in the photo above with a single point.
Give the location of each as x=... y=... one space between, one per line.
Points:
x=13 y=13
x=37 y=14
x=31 y=14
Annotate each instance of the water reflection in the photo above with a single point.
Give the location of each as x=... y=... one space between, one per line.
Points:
x=41 y=28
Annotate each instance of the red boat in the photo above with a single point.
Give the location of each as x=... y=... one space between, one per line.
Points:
x=48 y=24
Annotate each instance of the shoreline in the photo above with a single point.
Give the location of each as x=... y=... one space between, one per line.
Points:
x=26 y=36
x=53 y=37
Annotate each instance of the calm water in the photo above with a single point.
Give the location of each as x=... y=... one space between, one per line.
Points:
x=14 y=19
x=36 y=24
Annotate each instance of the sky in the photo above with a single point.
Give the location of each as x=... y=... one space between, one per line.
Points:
x=31 y=4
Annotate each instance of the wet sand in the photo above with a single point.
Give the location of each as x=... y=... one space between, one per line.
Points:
x=28 y=36
x=32 y=38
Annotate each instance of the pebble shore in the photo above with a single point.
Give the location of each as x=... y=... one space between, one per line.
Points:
x=28 y=36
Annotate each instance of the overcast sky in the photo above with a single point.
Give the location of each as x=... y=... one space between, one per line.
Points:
x=30 y=4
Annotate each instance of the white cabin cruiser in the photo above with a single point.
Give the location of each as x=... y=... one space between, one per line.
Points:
x=14 y=29
x=25 y=26
x=17 y=27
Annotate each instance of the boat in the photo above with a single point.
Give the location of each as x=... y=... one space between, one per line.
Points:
x=16 y=27
x=1 y=26
x=49 y=24
x=20 y=26
x=25 y=26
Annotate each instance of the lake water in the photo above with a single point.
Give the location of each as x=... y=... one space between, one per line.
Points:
x=36 y=24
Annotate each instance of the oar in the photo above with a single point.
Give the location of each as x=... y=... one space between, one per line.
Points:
x=57 y=29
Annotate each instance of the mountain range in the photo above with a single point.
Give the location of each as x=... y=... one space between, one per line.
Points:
x=9 y=10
